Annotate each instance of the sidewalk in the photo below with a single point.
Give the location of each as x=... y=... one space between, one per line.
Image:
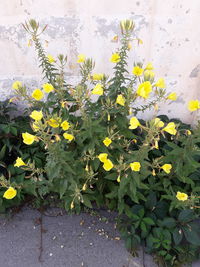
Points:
x=68 y=241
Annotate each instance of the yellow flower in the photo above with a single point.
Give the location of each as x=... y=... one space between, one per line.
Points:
x=65 y=125
x=36 y=115
x=11 y=99
x=167 y=168
x=181 y=196
x=115 y=38
x=28 y=139
x=98 y=89
x=19 y=162
x=193 y=105
x=188 y=132
x=50 y=58
x=10 y=193
x=153 y=173
x=137 y=71
x=120 y=100
x=144 y=89
x=149 y=66
x=97 y=76
x=149 y=74
x=72 y=205
x=115 y=58
x=172 y=96
x=118 y=179
x=134 y=123
x=84 y=187
x=160 y=83
x=158 y=123
x=37 y=94
x=57 y=138
x=135 y=166
x=170 y=128
x=156 y=145
x=108 y=165
x=35 y=127
x=48 y=87
x=54 y=123
x=140 y=41
x=108 y=117
x=67 y=136
x=129 y=45
x=16 y=85
x=107 y=141
x=103 y=157
x=81 y=58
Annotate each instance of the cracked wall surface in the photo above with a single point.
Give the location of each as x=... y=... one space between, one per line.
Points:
x=169 y=30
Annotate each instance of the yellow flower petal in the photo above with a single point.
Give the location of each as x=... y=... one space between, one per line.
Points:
x=135 y=166
x=170 y=128
x=37 y=94
x=48 y=87
x=108 y=165
x=103 y=157
x=137 y=71
x=36 y=115
x=16 y=85
x=149 y=66
x=149 y=74
x=115 y=58
x=134 y=123
x=81 y=58
x=158 y=123
x=19 y=162
x=65 y=125
x=144 y=89
x=97 y=76
x=10 y=193
x=160 y=83
x=69 y=137
x=167 y=168
x=53 y=122
x=28 y=139
x=193 y=105
x=107 y=141
x=181 y=196
x=120 y=100
x=98 y=89
x=50 y=58
x=172 y=96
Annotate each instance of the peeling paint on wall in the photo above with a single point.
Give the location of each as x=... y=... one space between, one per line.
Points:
x=87 y=26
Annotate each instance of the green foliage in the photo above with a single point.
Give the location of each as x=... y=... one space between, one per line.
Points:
x=11 y=146
x=149 y=172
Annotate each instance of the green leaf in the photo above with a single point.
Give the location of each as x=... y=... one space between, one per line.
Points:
x=63 y=186
x=148 y=221
x=168 y=222
x=177 y=235
x=143 y=227
x=86 y=201
x=186 y=215
x=111 y=176
x=191 y=236
x=2 y=152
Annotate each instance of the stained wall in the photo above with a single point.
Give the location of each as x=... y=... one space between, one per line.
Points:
x=169 y=29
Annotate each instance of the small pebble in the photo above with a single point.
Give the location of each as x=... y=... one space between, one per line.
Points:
x=54 y=237
x=62 y=246
x=50 y=254
x=91 y=244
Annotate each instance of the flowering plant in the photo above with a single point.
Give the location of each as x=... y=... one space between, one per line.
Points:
x=99 y=151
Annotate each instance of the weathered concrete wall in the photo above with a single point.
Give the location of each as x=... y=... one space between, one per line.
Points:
x=169 y=29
